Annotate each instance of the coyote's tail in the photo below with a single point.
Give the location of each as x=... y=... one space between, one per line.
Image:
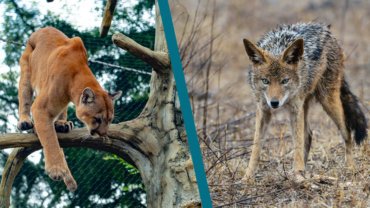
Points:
x=354 y=117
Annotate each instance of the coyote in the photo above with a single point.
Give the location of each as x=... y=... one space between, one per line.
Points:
x=292 y=65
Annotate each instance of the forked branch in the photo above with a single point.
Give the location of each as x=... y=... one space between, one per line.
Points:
x=157 y=59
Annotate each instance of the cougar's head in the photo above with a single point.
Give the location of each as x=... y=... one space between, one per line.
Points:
x=96 y=110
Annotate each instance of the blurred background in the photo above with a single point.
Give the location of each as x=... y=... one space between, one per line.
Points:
x=209 y=35
x=104 y=180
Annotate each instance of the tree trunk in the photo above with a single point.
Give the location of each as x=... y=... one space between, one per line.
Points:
x=155 y=142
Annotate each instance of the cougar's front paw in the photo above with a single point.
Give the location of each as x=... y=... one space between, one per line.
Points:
x=56 y=172
x=25 y=125
x=59 y=172
x=70 y=182
x=63 y=126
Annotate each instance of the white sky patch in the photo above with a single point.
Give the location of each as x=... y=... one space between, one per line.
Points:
x=35 y=157
x=2 y=9
x=82 y=14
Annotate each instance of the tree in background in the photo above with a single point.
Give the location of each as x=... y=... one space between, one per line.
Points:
x=100 y=180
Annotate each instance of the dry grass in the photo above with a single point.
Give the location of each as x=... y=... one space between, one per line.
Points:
x=226 y=131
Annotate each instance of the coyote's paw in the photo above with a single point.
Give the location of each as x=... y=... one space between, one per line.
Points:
x=248 y=177
x=25 y=125
x=350 y=164
x=63 y=126
x=247 y=180
x=299 y=177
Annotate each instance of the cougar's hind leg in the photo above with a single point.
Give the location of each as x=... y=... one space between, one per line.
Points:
x=25 y=91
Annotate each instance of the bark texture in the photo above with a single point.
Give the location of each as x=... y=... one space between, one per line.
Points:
x=107 y=18
x=155 y=142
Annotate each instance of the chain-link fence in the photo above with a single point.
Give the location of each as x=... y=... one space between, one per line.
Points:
x=104 y=179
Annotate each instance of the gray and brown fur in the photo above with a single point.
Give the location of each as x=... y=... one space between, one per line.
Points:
x=292 y=65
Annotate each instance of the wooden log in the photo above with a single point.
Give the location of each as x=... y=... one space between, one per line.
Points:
x=107 y=18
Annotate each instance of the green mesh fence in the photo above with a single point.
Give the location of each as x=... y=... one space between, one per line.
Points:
x=104 y=180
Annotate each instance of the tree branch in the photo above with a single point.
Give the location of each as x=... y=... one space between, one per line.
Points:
x=107 y=18
x=123 y=140
x=157 y=59
x=9 y=100
x=11 y=170
x=22 y=15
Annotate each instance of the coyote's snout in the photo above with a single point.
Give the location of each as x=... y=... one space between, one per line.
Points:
x=292 y=65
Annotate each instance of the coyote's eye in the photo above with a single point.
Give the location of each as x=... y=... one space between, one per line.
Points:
x=265 y=81
x=285 y=81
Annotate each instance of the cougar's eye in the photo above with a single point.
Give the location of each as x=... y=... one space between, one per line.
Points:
x=285 y=81
x=265 y=81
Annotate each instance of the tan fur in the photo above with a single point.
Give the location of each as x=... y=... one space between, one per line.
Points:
x=55 y=68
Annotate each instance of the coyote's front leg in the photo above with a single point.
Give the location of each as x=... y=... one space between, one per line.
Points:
x=262 y=119
x=55 y=163
x=297 y=122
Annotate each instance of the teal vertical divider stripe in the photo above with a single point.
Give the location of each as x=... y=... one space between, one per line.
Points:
x=185 y=103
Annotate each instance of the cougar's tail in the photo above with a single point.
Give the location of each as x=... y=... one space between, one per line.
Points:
x=354 y=117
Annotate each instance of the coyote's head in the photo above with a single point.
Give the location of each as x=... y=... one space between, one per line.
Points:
x=275 y=76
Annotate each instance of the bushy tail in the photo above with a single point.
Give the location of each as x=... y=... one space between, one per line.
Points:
x=354 y=117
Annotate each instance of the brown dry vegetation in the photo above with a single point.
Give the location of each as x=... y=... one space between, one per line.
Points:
x=210 y=39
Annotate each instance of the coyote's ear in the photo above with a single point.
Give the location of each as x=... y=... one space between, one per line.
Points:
x=294 y=52
x=88 y=96
x=255 y=55
x=114 y=96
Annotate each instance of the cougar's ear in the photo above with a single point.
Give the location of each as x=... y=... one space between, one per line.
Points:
x=87 y=96
x=255 y=54
x=115 y=95
x=294 y=52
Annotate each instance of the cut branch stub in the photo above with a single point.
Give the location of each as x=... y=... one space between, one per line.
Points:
x=107 y=18
x=157 y=59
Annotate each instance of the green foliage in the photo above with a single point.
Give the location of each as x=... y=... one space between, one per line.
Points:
x=8 y=98
x=107 y=181
x=104 y=180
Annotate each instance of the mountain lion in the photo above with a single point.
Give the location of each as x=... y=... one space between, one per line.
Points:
x=55 y=68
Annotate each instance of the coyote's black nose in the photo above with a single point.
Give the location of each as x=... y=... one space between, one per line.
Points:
x=274 y=103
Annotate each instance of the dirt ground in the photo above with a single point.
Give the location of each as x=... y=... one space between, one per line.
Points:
x=210 y=37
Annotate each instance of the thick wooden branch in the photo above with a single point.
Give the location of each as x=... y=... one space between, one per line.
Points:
x=122 y=140
x=107 y=18
x=11 y=170
x=159 y=60
x=130 y=140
